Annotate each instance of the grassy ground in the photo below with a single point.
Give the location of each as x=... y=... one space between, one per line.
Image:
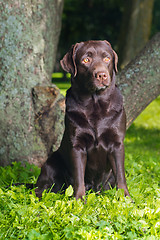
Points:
x=63 y=85
x=105 y=216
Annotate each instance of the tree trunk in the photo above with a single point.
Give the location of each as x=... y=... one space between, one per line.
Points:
x=135 y=30
x=29 y=32
x=139 y=81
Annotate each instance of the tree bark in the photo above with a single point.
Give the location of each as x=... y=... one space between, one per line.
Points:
x=135 y=30
x=139 y=81
x=29 y=32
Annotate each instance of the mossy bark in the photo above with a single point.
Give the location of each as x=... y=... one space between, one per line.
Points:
x=29 y=32
x=139 y=81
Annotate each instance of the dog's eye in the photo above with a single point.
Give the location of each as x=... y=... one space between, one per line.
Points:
x=86 y=60
x=106 y=59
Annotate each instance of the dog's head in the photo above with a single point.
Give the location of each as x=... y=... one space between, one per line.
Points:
x=92 y=65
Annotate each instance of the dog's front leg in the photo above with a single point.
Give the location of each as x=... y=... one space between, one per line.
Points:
x=79 y=159
x=120 y=172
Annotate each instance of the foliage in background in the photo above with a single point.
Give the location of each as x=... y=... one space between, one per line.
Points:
x=104 y=216
x=83 y=19
x=89 y=19
x=156 y=16
x=92 y=19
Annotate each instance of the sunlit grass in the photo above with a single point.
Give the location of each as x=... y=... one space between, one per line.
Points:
x=64 y=84
x=142 y=145
x=149 y=117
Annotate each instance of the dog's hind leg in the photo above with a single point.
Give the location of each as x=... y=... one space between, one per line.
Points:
x=51 y=175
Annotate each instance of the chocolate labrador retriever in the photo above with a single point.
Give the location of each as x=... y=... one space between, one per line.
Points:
x=91 y=154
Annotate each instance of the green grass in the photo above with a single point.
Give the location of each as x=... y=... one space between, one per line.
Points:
x=62 y=85
x=105 y=216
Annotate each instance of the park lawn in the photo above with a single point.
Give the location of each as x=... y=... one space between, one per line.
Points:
x=62 y=85
x=104 y=216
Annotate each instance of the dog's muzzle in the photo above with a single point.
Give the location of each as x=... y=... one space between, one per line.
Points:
x=102 y=80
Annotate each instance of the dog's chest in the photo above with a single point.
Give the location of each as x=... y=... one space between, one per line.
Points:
x=96 y=111
x=99 y=115
x=102 y=127
x=94 y=124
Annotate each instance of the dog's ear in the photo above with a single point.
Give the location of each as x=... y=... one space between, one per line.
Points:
x=115 y=60
x=68 y=62
x=115 y=56
x=107 y=43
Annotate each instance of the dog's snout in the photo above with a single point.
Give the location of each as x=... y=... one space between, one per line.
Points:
x=101 y=75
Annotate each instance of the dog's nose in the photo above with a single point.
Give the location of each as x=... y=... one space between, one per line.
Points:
x=101 y=75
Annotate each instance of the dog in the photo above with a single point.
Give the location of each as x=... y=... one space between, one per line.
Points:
x=91 y=153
